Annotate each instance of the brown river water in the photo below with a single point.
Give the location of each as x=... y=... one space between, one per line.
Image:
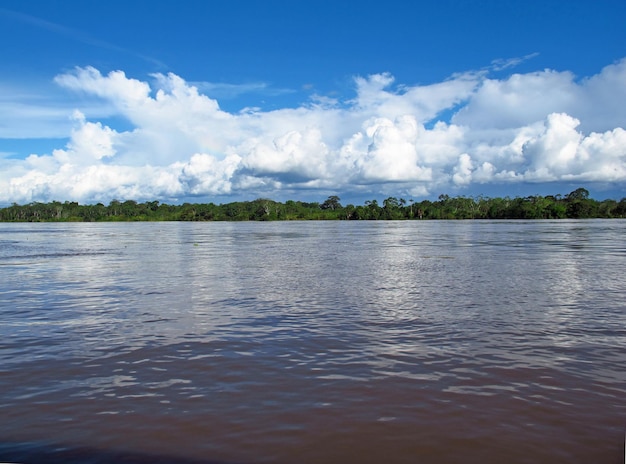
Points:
x=313 y=342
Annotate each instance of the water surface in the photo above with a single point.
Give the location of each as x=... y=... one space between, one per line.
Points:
x=313 y=342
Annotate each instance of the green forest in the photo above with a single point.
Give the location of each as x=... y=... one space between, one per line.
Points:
x=574 y=205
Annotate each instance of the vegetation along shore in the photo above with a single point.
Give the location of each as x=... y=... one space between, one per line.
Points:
x=574 y=205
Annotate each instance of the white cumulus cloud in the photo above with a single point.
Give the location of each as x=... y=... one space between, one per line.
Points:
x=469 y=130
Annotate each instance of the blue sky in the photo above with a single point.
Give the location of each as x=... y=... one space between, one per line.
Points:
x=228 y=100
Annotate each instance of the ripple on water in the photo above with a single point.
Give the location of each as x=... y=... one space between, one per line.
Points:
x=314 y=342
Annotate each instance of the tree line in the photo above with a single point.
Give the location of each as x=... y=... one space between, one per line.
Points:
x=574 y=205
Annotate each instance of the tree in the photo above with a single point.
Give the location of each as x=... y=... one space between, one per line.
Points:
x=373 y=210
x=620 y=209
x=576 y=204
x=349 y=211
x=578 y=194
x=391 y=207
x=607 y=208
x=579 y=205
x=331 y=203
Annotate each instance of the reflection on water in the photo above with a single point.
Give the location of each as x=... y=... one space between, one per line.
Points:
x=453 y=341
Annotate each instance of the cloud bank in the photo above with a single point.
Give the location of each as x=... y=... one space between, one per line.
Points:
x=465 y=132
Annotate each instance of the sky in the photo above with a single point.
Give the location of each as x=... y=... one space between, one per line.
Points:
x=233 y=100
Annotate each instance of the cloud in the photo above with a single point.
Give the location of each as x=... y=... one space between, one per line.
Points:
x=560 y=151
x=463 y=170
x=392 y=154
x=89 y=142
x=374 y=98
x=468 y=131
x=522 y=99
x=500 y=64
x=204 y=174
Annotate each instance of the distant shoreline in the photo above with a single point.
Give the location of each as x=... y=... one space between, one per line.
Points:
x=574 y=205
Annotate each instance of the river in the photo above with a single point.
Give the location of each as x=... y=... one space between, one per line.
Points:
x=313 y=342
